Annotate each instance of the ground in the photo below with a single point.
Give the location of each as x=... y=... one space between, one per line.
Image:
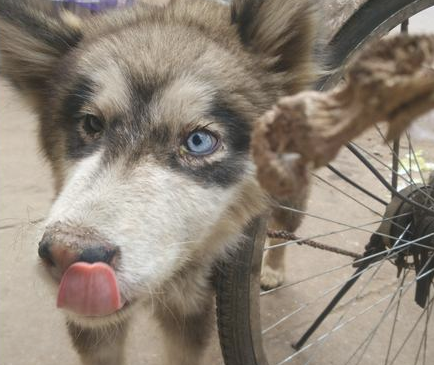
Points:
x=32 y=330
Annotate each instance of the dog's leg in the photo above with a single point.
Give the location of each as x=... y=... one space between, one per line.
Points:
x=273 y=268
x=185 y=335
x=101 y=345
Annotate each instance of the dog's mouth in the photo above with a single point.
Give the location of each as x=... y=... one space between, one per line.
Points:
x=90 y=290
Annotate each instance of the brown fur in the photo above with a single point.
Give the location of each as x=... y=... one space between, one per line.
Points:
x=167 y=64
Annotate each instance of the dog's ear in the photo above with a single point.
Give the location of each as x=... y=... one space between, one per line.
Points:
x=283 y=33
x=33 y=39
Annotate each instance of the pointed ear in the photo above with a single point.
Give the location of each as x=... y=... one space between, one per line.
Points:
x=283 y=33
x=34 y=37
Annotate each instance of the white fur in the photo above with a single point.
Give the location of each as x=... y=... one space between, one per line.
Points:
x=159 y=218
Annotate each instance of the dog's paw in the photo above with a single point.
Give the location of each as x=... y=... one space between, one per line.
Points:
x=271 y=278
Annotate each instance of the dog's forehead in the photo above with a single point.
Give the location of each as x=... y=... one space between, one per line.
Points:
x=154 y=87
x=185 y=98
x=175 y=80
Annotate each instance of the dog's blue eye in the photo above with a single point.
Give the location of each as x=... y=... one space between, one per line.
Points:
x=201 y=143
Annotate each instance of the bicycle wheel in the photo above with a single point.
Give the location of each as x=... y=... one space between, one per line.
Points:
x=374 y=19
x=380 y=318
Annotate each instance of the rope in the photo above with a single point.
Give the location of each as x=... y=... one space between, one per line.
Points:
x=289 y=236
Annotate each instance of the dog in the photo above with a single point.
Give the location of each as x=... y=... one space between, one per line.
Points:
x=145 y=117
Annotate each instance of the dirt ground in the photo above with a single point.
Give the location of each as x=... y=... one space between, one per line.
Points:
x=32 y=330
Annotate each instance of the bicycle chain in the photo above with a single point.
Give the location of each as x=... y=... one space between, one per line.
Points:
x=286 y=235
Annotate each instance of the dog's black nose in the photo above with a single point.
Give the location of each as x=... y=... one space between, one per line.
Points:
x=98 y=254
x=61 y=246
x=44 y=252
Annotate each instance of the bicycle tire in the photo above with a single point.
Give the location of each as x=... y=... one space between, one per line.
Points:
x=374 y=19
x=237 y=284
x=233 y=283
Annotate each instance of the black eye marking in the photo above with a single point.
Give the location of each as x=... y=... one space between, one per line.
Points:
x=81 y=131
x=92 y=126
x=235 y=131
x=80 y=94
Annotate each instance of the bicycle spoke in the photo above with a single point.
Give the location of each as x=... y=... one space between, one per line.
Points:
x=410 y=144
x=265 y=292
x=401 y=247
x=387 y=251
x=403 y=167
x=409 y=182
x=410 y=168
x=322 y=295
x=346 y=304
x=395 y=159
x=411 y=332
x=389 y=254
x=416 y=161
x=393 y=152
x=346 y=194
x=425 y=339
x=391 y=169
x=424 y=246
x=358 y=261
x=336 y=222
x=290 y=242
x=419 y=349
x=362 y=289
x=356 y=185
x=371 y=334
x=334 y=329
x=389 y=347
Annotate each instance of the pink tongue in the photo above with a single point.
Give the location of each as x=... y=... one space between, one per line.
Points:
x=89 y=290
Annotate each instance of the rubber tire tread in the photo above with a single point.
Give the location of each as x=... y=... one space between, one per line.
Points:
x=362 y=23
x=233 y=309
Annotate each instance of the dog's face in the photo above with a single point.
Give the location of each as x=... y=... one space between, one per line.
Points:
x=145 y=116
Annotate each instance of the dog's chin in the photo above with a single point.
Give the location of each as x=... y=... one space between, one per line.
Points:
x=100 y=321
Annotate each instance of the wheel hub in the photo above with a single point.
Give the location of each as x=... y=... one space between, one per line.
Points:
x=408 y=234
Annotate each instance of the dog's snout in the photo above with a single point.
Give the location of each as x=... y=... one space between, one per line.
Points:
x=61 y=246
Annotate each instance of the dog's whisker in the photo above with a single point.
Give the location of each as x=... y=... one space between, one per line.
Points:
x=180 y=243
x=169 y=310
x=152 y=296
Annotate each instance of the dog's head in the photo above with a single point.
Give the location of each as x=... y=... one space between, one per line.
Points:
x=145 y=116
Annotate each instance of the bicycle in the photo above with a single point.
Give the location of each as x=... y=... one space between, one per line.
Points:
x=402 y=235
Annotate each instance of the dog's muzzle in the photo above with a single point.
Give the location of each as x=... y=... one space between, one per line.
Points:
x=85 y=262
